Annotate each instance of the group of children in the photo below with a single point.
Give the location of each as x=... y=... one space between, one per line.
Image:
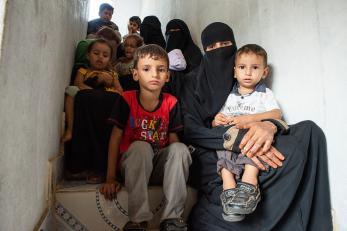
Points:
x=144 y=147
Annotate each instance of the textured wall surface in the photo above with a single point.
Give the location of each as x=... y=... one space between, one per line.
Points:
x=306 y=43
x=38 y=47
x=307 y=52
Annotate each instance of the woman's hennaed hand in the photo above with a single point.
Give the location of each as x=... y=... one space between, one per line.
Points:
x=258 y=138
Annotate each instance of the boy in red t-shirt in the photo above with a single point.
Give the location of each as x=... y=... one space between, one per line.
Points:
x=144 y=136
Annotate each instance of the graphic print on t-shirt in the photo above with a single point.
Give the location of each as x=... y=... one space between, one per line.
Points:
x=149 y=128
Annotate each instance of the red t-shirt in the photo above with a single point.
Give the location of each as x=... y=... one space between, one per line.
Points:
x=141 y=125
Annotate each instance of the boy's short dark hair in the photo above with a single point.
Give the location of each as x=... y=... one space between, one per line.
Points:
x=252 y=48
x=105 y=6
x=100 y=40
x=138 y=39
x=153 y=51
x=135 y=19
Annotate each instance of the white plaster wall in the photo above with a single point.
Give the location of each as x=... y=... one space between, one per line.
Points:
x=38 y=47
x=124 y=9
x=2 y=17
x=306 y=44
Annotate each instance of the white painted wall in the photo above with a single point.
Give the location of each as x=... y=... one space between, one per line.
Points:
x=124 y=9
x=2 y=17
x=38 y=48
x=306 y=43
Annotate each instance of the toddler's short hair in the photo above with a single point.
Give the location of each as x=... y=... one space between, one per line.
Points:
x=109 y=34
x=138 y=39
x=100 y=40
x=252 y=48
x=153 y=51
x=135 y=19
x=105 y=6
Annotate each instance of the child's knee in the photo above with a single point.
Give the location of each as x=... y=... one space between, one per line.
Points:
x=140 y=146
x=72 y=90
x=180 y=151
x=139 y=150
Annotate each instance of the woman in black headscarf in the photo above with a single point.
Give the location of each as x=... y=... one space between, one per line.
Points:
x=295 y=193
x=178 y=37
x=150 y=31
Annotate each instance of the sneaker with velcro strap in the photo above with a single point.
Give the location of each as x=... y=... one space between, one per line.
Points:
x=228 y=215
x=245 y=200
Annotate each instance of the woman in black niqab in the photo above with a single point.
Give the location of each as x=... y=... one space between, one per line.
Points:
x=215 y=76
x=150 y=31
x=295 y=196
x=178 y=37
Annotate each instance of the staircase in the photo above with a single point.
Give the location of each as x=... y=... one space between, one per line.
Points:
x=79 y=206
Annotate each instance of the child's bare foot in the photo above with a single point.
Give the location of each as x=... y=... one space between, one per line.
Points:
x=67 y=136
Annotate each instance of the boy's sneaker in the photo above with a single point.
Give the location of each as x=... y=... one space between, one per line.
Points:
x=246 y=198
x=226 y=197
x=134 y=226
x=173 y=224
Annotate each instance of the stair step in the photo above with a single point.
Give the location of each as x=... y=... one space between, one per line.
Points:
x=80 y=206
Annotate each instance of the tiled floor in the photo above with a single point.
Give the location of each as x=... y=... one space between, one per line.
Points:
x=80 y=206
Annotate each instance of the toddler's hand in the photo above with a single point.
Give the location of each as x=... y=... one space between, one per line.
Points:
x=110 y=189
x=106 y=78
x=240 y=120
x=219 y=119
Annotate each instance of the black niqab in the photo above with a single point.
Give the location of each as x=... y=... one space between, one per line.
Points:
x=182 y=39
x=150 y=30
x=215 y=75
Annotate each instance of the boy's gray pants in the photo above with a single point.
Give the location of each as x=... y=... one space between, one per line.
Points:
x=169 y=167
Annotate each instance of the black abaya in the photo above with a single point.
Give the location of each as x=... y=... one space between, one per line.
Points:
x=294 y=196
x=89 y=145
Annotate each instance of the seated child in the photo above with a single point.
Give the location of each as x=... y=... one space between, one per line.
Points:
x=133 y=28
x=126 y=64
x=105 y=13
x=98 y=76
x=134 y=25
x=144 y=146
x=81 y=59
x=249 y=101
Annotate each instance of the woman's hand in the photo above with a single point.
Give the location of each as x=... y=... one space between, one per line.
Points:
x=258 y=138
x=110 y=189
x=272 y=157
